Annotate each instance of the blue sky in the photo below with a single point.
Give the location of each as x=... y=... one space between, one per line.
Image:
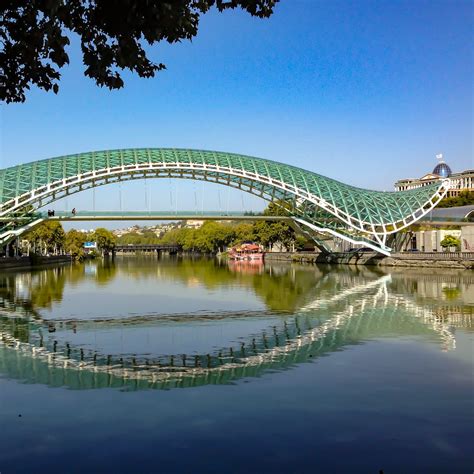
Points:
x=365 y=92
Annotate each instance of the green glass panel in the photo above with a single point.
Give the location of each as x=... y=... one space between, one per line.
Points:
x=370 y=206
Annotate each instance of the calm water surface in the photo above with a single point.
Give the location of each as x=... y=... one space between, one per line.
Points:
x=175 y=365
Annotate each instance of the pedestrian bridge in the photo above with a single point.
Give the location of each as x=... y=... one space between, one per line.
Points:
x=315 y=202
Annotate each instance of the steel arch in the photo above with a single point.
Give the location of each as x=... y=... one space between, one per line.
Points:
x=320 y=203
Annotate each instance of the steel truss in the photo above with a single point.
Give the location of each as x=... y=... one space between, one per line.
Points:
x=318 y=203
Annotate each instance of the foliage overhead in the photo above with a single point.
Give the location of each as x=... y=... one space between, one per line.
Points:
x=285 y=290
x=34 y=35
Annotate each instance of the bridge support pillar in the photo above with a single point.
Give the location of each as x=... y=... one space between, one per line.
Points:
x=17 y=247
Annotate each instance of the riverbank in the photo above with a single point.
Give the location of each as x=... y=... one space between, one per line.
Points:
x=32 y=261
x=417 y=260
x=454 y=260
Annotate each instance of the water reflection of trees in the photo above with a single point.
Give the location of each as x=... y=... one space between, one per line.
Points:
x=34 y=290
x=40 y=289
x=281 y=287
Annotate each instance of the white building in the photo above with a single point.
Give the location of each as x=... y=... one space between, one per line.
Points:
x=463 y=181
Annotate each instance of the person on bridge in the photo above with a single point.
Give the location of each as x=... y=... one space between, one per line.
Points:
x=73 y=211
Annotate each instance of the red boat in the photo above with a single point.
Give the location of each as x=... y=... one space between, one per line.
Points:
x=247 y=252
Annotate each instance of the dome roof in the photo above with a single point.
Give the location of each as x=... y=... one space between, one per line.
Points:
x=443 y=170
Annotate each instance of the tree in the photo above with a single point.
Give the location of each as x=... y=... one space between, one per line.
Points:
x=209 y=238
x=176 y=237
x=300 y=242
x=213 y=237
x=74 y=243
x=186 y=238
x=269 y=233
x=134 y=238
x=34 y=35
x=450 y=241
x=244 y=233
x=104 y=239
x=465 y=198
x=48 y=237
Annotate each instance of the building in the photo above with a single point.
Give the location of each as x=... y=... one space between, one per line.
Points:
x=463 y=181
x=194 y=224
x=429 y=240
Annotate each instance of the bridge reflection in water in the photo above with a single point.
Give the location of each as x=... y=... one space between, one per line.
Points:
x=305 y=318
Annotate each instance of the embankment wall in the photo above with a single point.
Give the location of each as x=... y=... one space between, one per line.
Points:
x=418 y=261
x=12 y=263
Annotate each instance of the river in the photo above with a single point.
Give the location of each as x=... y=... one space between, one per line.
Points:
x=196 y=365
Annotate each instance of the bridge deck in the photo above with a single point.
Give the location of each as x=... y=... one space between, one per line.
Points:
x=150 y=216
x=193 y=215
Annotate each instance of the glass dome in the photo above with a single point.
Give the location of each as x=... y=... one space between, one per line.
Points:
x=443 y=170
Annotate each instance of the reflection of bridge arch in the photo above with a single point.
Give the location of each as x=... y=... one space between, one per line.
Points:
x=356 y=317
x=317 y=202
